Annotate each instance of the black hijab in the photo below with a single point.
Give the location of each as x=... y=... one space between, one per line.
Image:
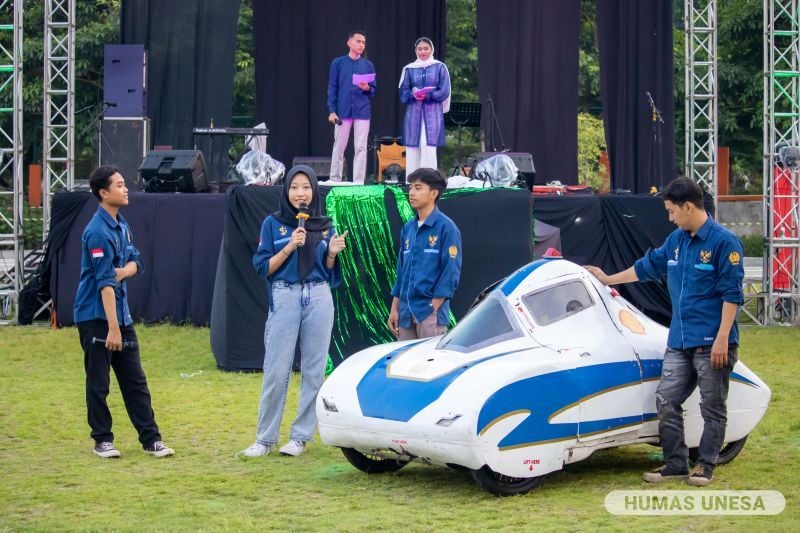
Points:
x=315 y=226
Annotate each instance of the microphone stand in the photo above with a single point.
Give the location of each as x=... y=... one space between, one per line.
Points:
x=494 y=124
x=98 y=110
x=655 y=164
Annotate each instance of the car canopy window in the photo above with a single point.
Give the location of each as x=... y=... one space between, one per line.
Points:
x=489 y=323
x=558 y=302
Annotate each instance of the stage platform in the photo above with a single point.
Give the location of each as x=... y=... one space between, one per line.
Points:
x=180 y=237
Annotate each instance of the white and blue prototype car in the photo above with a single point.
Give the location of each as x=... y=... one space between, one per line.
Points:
x=549 y=367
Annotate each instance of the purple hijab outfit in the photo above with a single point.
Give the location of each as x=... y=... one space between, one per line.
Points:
x=431 y=109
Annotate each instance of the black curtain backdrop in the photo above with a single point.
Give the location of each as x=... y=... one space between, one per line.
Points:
x=295 y=42
x=528 y=63
x=190 y=68
x=240 y=297
x=612 y=232
x=635 y=41
x=179 y=237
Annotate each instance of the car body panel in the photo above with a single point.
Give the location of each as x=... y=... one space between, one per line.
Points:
x=572 y=368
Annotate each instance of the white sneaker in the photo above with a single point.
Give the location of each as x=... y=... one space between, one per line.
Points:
x=293 y=448
x=256 y=450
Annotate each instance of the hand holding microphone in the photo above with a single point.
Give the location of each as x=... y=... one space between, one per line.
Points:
x=299 y=235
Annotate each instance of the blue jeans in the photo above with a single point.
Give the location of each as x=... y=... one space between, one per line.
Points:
x=307 y=310
x=682 y=371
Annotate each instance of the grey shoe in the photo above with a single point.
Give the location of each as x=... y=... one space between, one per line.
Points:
x=700 y=476
x=663 y=473
x=106 y=450
x=159 y=449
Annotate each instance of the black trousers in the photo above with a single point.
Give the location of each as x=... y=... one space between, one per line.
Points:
x=127 y=366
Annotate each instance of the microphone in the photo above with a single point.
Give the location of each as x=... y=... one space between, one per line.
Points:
x=109 y=104
x=126 y=345
x=302 y=215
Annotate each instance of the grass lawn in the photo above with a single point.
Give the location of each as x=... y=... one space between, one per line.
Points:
x=51 y=480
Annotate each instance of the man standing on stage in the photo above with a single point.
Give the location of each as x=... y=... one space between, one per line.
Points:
x=349 y=106
x=702 y=262
x=105 y=326
x=429 y=263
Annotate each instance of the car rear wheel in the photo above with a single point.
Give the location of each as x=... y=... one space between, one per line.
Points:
x=502 y=485
x=727 y=454
x=372 y=464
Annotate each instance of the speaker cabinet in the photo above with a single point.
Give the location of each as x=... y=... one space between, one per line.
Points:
x=321 y=165
x=123 y=143
x=173 y=171
x=125 y=80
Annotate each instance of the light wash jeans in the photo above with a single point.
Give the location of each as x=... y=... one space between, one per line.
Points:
x=307 y=310
x=682 y=371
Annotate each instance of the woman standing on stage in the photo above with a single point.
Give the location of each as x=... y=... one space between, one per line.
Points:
x=425 y=89
x=299 y=263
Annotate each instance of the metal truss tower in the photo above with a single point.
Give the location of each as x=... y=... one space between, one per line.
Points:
x=59 y=101
x=781 y=160
x=700 y=22
x=11 y=191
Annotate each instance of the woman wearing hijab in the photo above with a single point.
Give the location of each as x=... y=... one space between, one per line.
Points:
x=425 y=89
x=299 y=265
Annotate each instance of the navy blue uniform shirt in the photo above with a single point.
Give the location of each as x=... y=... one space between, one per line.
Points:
x=428 y=266
x=344 y=98
x=106 y=244
x=275 y=235
x=702 y=272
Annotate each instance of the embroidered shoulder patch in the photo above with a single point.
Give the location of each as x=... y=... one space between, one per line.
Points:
x=734 y=258
x=453 y=251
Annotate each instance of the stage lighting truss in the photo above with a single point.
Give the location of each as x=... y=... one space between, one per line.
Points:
x=781 y=140
x=59 y=101
x=11 y=244
x=700 y=22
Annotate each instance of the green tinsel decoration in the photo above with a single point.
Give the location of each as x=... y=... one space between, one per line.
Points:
x=369 y=261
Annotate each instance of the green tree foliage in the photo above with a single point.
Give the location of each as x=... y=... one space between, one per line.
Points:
x=97 y=24
x=244 y=80
x=740 y=73
x=591 y=141
x=462 y=62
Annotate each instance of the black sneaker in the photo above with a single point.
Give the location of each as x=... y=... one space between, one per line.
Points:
x=159 y=449
x=663 y=474
x=700 y=476
x=106 y=450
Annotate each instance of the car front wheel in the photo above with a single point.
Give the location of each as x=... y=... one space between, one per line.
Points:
x=372 y=464
x=502 y=485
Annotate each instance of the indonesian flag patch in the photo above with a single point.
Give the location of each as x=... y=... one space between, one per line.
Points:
x=97 y=253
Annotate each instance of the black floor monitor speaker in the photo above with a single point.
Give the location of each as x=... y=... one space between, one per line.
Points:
x=321 y=165
x=523 y=160
x=123 y=143
x=173 y=171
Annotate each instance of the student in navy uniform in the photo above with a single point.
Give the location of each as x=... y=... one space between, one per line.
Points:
x=349 y=106
x=300 y=267
x=105 y=326
x=702 y=262
x=428 y=265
